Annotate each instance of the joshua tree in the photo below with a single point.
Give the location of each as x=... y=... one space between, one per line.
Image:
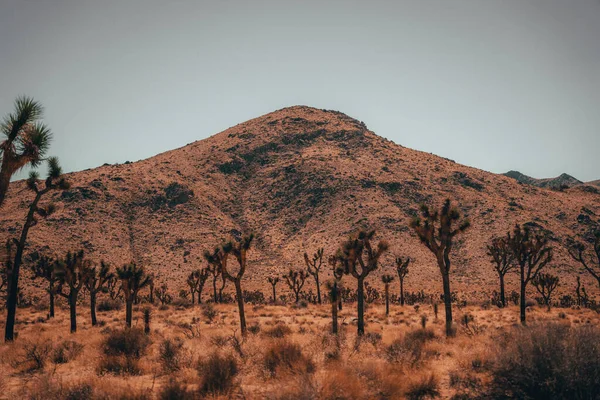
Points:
x=71 y=272
x=114 y=287
x=338 y=274
x=273 y=281
x=45 y=268
x=133 y=279
x=295 y=280
x=387 y=279
x=532 y=253
x=333 y=291
x=216 y=273
x=162 y=294
x=313 y=267
x=359 y=259
x=402 y=271
x=54 y=181
x=590 y=260
x=219 y=257
x=545 y=284
x=147 y=317
x=578 y=291
x=151 y=288
x=503 y=261
x=196 y=280
x=26 y=140
x=96 y=281
x=436 y=230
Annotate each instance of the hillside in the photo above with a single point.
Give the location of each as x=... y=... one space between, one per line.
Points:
x=300 y=178
x=562 y=181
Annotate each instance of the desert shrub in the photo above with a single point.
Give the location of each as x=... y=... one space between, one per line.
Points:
x=66 y=351
x=278 y=331
x=122 y=350
x=169 y=354
x=424 y=388
x=35 y=355
x=254 y=297
x=175 y=390
x=254 y=329
x=109 y=305
x=181 y=302
x=209 y=312
x=410 y=348
x=548 y=361
x=283 y=355
x=217 y=374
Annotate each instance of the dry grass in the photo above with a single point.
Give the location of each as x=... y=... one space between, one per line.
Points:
x=288 y=354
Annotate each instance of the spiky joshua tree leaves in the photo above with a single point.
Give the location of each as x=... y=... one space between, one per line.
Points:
x=54 y=181
x=545 y=284
x=313 y=267
x=502 y=258
x=133 y=279
x=219 y=257
x=359 y=258
x=387 y=279
x=273 y=281
x=25 y=141
x=402 y=271
x=295 y=281
x=71 y=272
x=96 y=281
x=46 y=268
x=195 y=281
x=588 y=256
x=437 y=230
x=532 y=253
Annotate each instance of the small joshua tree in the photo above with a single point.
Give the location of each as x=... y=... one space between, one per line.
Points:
x=295 y=281
x=387 y=279
x=216 y=273
x=359 y=258
x=133 y=279
x=71 y=273
x=163 y=295
x=147 y=317
x=45 y=268
x=273 y=280
x=54 y=181
x=195 y=281
x=338 y=274
x=402 y=271
x=219 y=258
x=503 y=261
x=436 y=230
x=96 y=281
x=545 y=284
x=532 y=253
x=313 y=267
x=589 y=258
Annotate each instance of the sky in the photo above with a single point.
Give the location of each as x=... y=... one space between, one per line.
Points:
x=494 y=84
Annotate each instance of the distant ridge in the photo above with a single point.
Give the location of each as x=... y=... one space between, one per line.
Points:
x=560 y=182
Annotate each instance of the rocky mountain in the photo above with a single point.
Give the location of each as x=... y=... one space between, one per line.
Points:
x=300 y=178
x=562 y=181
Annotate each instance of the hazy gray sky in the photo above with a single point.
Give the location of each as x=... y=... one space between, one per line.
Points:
x=495 y=84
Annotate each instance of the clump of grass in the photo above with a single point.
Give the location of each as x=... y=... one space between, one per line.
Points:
x=424 y=388
x=286 y=356
x=66 y=351
x=218 y=373
x=170 y=354
x=278 y=331
x=122 y=351
x=410 y=348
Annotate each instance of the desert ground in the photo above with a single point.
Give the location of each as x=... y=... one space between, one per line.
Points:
x=198 y=352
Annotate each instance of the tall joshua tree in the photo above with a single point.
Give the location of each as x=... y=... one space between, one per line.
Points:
x=133 y=279
x=195 y=281
x=437 y=230
x=71 y=272
x=545 y=284
x=338 y=274
x=313 y=267
x=54 y=181
x=214 y=271
x=219 y=258
x=96 y=281
x=387 y=279
x=402 y=271
x=359 y=258
x=273 y=280
x=26 y=140
x=295 y=281
x=532 y=253
x=588 y=258
x=502 y=259
x=46 y=268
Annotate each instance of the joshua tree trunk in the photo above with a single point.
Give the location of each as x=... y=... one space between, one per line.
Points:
x=340 y=301
x=73 y=311
x=192 y=292
x=447 y=303
x=401 y=291
x=522 y=299
x=318 y=288
x=502 y=297
x=274 y=295
x=215 y=289
x=51 y=293
x=361 y=306
x=128 y=311
x=240 y=301
x=93 y=308
x=387 y=299
x=334 y=310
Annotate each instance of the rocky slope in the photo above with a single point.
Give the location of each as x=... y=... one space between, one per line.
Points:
x=300 y=178
x=562 y=181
